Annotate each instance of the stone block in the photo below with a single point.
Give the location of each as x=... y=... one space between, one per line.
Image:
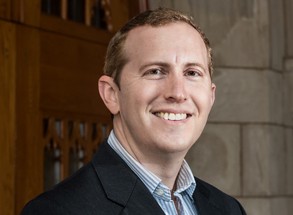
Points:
x=215 y=157
x=242 y=33
x=277 y=34
x=290 y=205
x=280 y=206
x=266 y=206
x=245 y=41
x=248 y=96
x=289 y=161
x=256 y=206
x=288 y=92
x=289 y=23
x=264 y=160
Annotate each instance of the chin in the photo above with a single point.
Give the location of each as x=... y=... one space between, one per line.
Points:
x=173 y=145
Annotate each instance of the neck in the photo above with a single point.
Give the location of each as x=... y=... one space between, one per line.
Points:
x=166 y=165
x=166 y=169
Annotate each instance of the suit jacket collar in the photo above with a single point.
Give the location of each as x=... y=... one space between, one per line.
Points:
x=204 y=201
x=121 y=185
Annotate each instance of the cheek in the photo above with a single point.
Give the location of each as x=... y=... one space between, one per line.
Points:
x=142 y=93
x=203 y=100
x=131 y=100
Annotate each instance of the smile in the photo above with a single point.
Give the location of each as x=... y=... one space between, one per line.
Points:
x=172 y=116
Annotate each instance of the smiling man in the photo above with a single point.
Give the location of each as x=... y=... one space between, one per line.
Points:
x=164 y=96
x=158 y=87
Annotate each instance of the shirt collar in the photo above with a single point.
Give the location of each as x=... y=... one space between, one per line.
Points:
x=185 y=179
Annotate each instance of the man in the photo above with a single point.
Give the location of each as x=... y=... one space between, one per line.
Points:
x=158 y=87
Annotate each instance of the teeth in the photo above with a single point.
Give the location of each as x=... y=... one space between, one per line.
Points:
x=172 y=116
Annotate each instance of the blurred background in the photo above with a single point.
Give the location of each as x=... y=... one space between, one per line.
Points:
x=52 y=119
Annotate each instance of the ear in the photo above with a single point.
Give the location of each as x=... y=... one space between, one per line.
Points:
x=108 y=91
x=213 y=88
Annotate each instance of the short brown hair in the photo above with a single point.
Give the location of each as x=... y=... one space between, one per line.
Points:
x=116 y=59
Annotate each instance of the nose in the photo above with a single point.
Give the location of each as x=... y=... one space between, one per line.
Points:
x=175 y=89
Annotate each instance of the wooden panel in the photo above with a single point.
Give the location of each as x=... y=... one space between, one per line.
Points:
x=137 y=6
x=27 y=12
x=23 y=11
x=70 y=69
x=48 y=68
x=119 y=7
x=7 y=117
x=5 y=9
x=29 y=163
x=73 y=29
x=30 y=12
x=123 y=10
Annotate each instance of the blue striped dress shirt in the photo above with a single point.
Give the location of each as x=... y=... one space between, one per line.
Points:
x=185 y=183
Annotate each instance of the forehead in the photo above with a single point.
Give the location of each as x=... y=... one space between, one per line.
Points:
x=165 y=42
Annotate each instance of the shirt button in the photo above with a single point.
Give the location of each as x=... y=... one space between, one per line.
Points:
x=160 y=192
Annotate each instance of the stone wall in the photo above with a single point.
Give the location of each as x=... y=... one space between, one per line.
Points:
x=247 y=146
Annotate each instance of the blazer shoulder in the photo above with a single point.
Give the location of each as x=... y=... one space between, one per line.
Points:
x=104 y=186
x=220 y=200
x=82 y=193
x=43 y=205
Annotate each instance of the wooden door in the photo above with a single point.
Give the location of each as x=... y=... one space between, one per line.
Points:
x=52 y=119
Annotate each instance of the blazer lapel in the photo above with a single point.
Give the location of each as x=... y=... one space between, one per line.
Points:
x=203 y=202
x=121 y=185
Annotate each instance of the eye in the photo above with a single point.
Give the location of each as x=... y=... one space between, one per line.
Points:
x=193 y=73
x=155 y=73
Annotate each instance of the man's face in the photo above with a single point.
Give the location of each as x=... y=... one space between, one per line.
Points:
x=165 y=92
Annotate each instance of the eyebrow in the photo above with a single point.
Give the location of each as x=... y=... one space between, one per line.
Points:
x=197 y=65
x=157 y=63
x=167 y=65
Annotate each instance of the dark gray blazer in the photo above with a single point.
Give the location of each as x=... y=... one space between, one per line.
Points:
x=107 y=186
